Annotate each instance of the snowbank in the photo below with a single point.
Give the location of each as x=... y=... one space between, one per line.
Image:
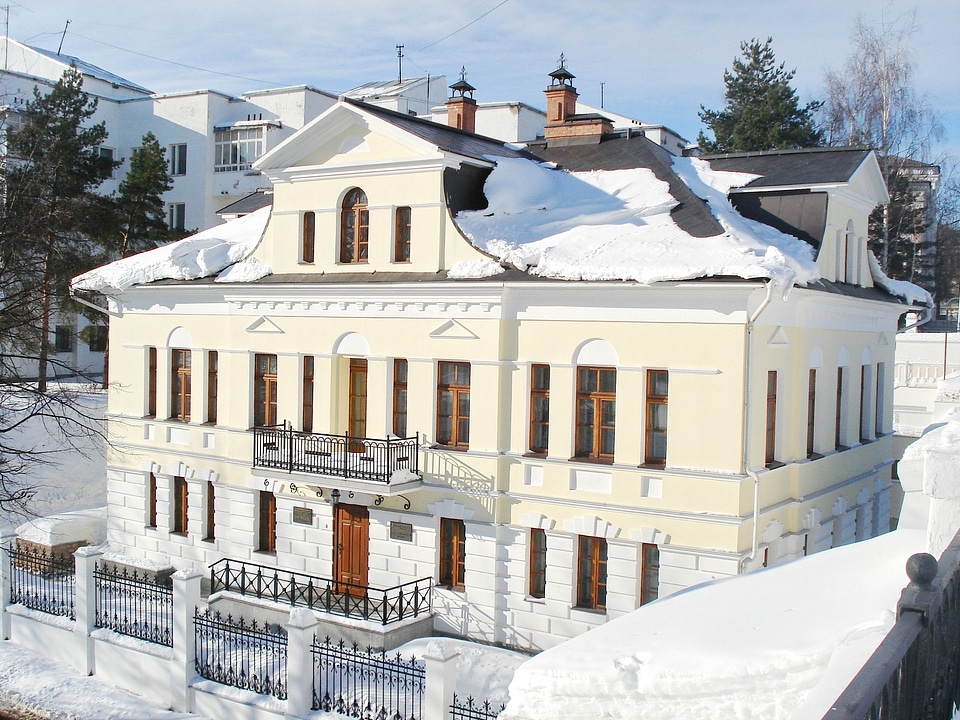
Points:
x=616 y=225
x=201 y=255
x=777 y=644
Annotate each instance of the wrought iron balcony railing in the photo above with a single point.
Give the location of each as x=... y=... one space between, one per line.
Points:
x=387 y=461
x=384 y=606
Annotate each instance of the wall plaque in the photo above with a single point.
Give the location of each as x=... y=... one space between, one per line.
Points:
x=401 y=531
x=303 y=515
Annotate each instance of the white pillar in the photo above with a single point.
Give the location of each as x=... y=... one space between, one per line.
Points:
x=440 y=660
x=8 y=538
x=186 y=597
x=85 y=606
x=300 y=631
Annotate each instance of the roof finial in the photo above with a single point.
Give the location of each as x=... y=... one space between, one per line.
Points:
x=462 y=88
x=562 y=76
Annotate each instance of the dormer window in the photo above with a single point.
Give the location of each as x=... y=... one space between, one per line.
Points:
x=354 y=227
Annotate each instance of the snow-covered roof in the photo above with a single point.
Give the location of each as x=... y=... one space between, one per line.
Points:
x=617 y=225
x=223 y=251
x=777 y=644
x=90 y=69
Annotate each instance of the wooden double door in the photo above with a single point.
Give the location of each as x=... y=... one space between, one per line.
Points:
x=352 y=547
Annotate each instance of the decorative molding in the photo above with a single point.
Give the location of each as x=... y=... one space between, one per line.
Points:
x=537 y=520
x=591 y=525
x=453 y=330
x=264 y=325
x=449 y=508
x=779 y=337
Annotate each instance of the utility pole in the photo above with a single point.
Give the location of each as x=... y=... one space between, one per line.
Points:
x=6 y=35
x=602 y=83
x=399 y=64
x=62 y=36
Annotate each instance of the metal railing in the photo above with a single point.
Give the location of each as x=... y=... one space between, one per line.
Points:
x=134 y=603
x=41 y=581
x=244 y=655
x=377 y=460
x=471 y=709
x=366 y=683
x=915 y=672
x=385 y=606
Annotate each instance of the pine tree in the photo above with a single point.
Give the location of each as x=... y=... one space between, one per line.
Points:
x=762 y=110
x=54 y=165
x=139 y=205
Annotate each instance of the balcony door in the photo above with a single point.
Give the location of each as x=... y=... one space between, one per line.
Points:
x=352 y=547
x=357 y=413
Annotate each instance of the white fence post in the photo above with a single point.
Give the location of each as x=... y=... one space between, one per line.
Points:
x=300 y=630
x=186 y=597
x=440 y=660
x=8 y=537
x=85 y=605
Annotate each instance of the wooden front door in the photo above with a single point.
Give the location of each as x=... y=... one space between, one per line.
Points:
x=352 y=547
x=357 y=420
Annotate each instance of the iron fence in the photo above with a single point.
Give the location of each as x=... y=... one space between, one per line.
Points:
x=134 y=603
x=471 y=709
x=366 y=683
x=385 y=606
x=377 y=460
x=42 y=581
x=244 y=655
x=915 y=672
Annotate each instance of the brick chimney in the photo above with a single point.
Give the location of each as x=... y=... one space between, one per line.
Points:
x=461 y=107
x=563 y=123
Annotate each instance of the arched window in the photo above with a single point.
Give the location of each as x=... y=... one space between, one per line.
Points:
x=354 y=221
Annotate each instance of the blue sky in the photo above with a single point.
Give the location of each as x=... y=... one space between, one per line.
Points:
x=658 y=61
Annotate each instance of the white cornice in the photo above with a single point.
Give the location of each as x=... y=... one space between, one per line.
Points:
x=383 y=167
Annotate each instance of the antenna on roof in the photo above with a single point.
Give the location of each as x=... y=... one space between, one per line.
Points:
x=399 y=64
x=62 y=36
x=602 y=83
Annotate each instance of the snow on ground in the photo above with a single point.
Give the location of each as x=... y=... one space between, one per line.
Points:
x=203 y=254
x=33 y=683
x=73 y=476
x=483 y=672
x=616 y=225
x=776 y=644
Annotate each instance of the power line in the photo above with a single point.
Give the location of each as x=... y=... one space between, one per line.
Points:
x=183 y=65
x=500 y=4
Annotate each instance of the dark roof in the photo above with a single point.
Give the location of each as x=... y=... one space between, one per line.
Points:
x=246 y=205
x=626 y=151
x=448 y=139
x=812 y=166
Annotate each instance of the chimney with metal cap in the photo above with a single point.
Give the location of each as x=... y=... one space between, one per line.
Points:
x=461 y=107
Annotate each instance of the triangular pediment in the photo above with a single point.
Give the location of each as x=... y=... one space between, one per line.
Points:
x=453 y=330
x=263 y=325
x=779 y=337
x=345 y=136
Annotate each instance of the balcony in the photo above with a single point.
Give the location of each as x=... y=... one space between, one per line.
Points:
x=385 y=466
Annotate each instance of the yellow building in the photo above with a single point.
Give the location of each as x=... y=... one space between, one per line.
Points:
x=412 y=370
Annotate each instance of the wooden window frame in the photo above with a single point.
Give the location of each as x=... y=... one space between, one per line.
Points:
x=811 y=412
x=210 y=513
x=306 y=414
x=591 y=572
x=770 y=427
x=308 y=233
x=181 y=370
x=589 y=413
x=649 y=572
x=453 y=534
x=654 y=400
x=213 y=369
x=459 y=393
x=402 y=231
x=354 y=215
x=400 y=374
x=181 y=506
x=151 y=382
x=151 y=500
x=864 y=419
x=267 y=522
x=838 y=430
x=265 y=390
x=539 y=401
x=878 y=405
x=537 y=556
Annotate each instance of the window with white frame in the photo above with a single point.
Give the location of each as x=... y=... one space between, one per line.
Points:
x=178 y=159
x=177 y=216
x=236 y=148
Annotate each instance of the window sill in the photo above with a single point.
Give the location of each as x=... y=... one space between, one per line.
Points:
x=174 y=533
x=535 y=455
x=774 y=464
x=453 y=588
x=535 y=600
x=267 y=553
x=653 y=466
x=602 y=611
x=451 y=448
x=592 y=460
